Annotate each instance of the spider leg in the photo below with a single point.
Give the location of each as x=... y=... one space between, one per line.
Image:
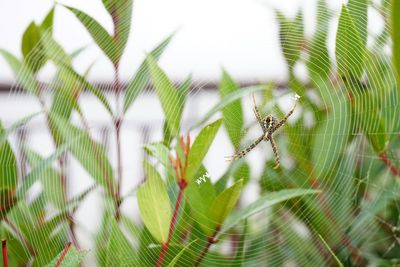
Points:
x=274 y=149
x=283 y=121
x=257 y=114
x=242 y=153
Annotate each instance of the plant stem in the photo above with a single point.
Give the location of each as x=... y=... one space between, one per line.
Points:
x=117 y=125
x=5 y=256
x=165 y=246
x=210 y=240
x=65 y=251
x=383 y=156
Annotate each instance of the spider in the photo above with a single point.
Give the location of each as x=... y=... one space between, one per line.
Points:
x=269 y=124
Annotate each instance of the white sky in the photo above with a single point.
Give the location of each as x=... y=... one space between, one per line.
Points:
x=239 y=35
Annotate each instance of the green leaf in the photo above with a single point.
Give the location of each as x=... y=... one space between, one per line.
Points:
x=223 y=204
x=200 y=194
x=42 y=167
x=161 y=153
x=395 y=23
x=200 y=148
x=175 y=260
x=50 y=179
x=85 y=84
x=121 y=14
x=23 y=74
x=319 y=61
x=89 y=153
x=47 y=23
x=100 y=35
x=32 y=44
x=171 y=101
x=331 y=137
x=154 y=204
x=184 y=87
x=368 y=117
x=71 y=258
x=32 y=49
x=226 y=101
x=6 y=132
x=119 y=249
x=349 y=47
x=232 y=113
x=142 y=76
x=291 y=35
x=358 y=10
x=264 y=202
x=53 y=50
x=8 y=165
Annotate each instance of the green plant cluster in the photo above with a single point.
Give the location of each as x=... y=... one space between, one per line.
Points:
x=334 y=201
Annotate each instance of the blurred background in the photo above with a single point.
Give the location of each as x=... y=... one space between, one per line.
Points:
x=239 y=36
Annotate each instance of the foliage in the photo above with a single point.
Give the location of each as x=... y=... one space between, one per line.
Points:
x=334 y=200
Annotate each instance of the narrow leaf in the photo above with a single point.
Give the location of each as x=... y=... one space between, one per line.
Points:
x=142 y=76
x=43 y=166
x=89 y=153
x=154 y=204
x=263 y=203
x=232 y=113
x=84 y=83
x=6 y=132
x=121 y=14
x=8 y=166
x=358 y=10
x=100 y=35
x=349 y=47
x=119 y=249
x=23 y=74
x=200 y=148
x=171 y=101
x=224 y=204
x=50 y=179
x=395 y=19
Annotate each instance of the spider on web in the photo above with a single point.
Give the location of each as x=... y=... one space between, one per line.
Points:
x=269 y=124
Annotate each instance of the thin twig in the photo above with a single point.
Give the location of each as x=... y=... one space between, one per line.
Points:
x=5 y=255
x=65 y=251
x=383 y=156
x=210 y=240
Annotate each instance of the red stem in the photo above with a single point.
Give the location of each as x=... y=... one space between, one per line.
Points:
x=65 y=251
x=210 y=240
x=383 y=156
x=165 y=246
x=5 y=256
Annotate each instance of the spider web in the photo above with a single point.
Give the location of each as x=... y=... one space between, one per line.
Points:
x=322 y=146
